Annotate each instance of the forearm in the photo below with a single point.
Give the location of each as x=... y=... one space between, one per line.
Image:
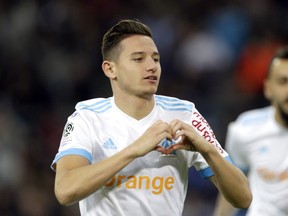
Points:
x=76 y=179
x=230 y=181
x=72 y=185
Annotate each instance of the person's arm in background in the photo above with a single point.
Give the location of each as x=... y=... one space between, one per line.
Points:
x=234 y=147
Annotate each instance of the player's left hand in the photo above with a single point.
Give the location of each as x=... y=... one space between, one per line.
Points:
x=190 y=140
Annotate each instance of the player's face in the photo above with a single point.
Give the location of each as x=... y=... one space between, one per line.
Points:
x=138 y=67
x=276 y=88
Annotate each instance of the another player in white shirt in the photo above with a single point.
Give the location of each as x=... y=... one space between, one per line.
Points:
x=129 y=154
x=258 y=144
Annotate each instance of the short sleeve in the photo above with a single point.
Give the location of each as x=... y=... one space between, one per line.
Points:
x=201 y=125
x=76 y=139
x=235 y=147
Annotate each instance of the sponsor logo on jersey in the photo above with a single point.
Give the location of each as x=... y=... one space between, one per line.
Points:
x=109 y=144
x=269 y=175
x=155 y=184
x=205 y=130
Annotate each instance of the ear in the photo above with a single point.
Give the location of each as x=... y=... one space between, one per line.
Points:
x=267 y=89
x=109 y=69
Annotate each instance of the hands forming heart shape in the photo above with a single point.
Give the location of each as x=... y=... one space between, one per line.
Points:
x=177 y=134
x=174 y=145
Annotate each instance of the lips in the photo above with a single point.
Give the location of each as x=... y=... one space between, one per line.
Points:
x=151 y=77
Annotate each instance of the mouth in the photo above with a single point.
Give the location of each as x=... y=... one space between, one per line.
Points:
x=152 y=78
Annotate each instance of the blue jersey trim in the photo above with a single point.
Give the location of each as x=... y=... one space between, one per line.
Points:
x=72 y=151
x=99 y=106
x=173 y=104
x=207 y=172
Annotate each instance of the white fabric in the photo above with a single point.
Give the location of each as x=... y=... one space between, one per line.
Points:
x=259 y=146
x=150 y=185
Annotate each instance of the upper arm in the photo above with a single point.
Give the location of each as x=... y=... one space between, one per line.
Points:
x=70 y=162
x=66 y=188
x=236 y=146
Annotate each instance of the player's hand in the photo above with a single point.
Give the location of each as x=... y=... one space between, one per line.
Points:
x=190 y=140
x=151 y=138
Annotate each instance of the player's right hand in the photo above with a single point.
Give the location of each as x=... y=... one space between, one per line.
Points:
x=150 y=139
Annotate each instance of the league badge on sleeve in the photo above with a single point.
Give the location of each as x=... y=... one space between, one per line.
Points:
x=68 y=129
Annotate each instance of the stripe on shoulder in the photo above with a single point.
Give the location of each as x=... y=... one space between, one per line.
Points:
x=173 y=104
x=256 y=116
x=98 y=105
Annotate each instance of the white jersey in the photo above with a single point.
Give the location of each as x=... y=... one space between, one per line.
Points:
x=155 y=184
x=258 y=145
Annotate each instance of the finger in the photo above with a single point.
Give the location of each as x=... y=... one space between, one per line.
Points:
x=180 y=145
x=167 y=131
x=179 y=133
x=177 y=127
x=160 y=149
x=176 y=147
x=169 y=150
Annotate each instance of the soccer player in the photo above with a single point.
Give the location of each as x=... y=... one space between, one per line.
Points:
x=129 y=154
x=258 y=143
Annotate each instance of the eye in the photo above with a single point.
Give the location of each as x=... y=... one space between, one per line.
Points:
x=283 y=81
x=156 y=59
x=138 y=59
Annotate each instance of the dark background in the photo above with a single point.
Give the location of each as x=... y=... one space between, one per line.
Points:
x=214 y=53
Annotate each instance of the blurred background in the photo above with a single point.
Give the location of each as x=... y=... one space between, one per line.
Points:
x=214 y=53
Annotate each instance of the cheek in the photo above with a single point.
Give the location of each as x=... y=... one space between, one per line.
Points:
x=127 y=80
x=280 y=92
x=276 y=92
x=278 y=96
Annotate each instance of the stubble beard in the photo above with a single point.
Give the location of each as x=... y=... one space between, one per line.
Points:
x=283 y=114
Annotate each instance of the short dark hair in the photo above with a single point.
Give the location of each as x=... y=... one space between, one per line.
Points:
x=281 y=54
x=120 y=31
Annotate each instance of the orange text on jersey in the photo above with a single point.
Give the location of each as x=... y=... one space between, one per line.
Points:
x=156 y=184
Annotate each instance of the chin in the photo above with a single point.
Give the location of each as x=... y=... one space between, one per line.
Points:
x=152 y=90
x=148 y=95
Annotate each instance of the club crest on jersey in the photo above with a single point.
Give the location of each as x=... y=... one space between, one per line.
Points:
x=166 y=144
x=68 y=129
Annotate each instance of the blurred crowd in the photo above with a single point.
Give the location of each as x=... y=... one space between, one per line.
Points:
x=214 y=53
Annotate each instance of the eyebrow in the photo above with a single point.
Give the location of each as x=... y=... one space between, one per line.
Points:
x=141 y=53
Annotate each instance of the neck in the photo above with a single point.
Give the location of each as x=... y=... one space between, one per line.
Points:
x=136 y=107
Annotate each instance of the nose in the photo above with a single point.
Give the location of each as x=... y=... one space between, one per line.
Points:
x=151 y=65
